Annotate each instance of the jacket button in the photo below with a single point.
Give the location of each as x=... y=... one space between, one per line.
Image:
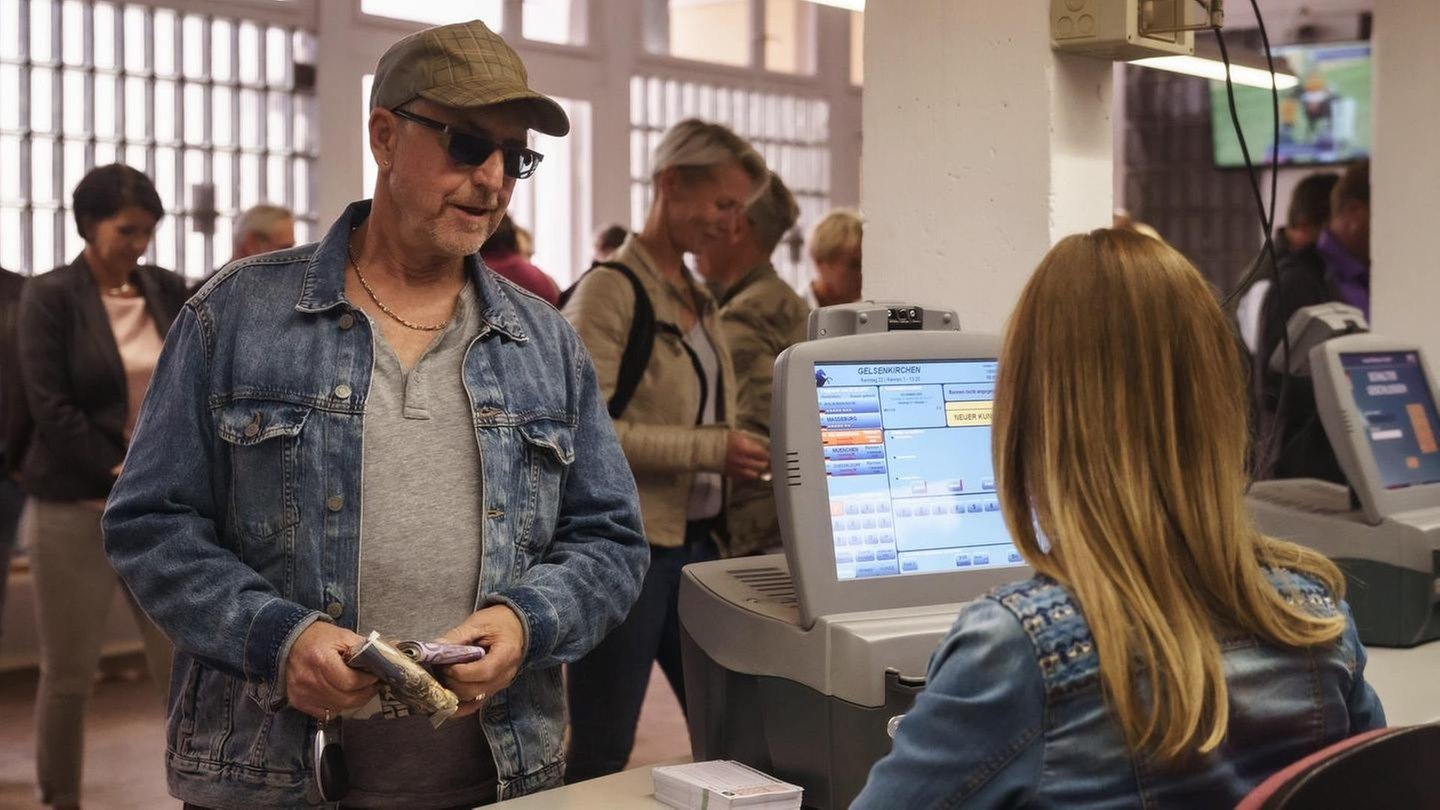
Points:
x=342 y=391
x=347 y=320
x=252 y=430
x=334 y=502
x=334 y=609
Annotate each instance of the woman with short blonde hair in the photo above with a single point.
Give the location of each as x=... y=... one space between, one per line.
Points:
x=675 y=418
x=1166 y=649
x=835 y=249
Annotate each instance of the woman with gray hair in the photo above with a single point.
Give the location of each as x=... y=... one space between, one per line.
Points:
x=655 y=338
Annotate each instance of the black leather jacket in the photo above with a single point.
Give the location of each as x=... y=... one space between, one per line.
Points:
x=74 y=380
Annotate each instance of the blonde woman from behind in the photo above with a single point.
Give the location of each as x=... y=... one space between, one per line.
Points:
x=1166 y=653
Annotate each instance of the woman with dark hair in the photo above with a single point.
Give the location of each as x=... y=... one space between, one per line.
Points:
x=90 y=334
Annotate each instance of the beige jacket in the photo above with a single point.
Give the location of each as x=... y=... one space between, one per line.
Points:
x=760 y=316
x=657 y=430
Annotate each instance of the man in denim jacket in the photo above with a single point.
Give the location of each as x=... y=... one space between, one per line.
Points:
x=375 y=432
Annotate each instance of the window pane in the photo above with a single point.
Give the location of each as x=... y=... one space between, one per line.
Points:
x=10 y=168
x=42 y=174
x=42 y=230
x=10 y=30
x=105 y=120
x=164 y=244
x=42 y=94
x=165 y=25
x=252 y=119
x=716 y=31
x=560 y=21
x=165 y=125
x=40 y=32
x=104 y=35
x=790 y=36
x=277 y=57
x=135 y=39
x=277 y=121
x=192 y=34
x=137 y=112
x=75 y=168
x=194 y=175
x=301 y=204
x=73 y=96
x=249 y=53
x=857 y=47
x=104 y=153
x=222 y=173
x=221 y=245
x=136 y=158
x=165 y=176
x=221 y=50
x=489 y=11
x=197 y=259
x=194 y=113
x=9 y=88
x=11 y=248
x=277 y=181
x=302 y=233
x=368 y=171
x=222 y=115
x=72 y=22
x=249 y=180
x=305 y=123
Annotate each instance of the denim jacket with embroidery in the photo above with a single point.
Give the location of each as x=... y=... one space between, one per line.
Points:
x=236 y=520
x=1014 y=715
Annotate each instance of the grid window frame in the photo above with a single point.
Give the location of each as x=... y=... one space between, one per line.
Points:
x=124 y=78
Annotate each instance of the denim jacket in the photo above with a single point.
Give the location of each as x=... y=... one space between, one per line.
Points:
x=236 y=521
x=1014 y=716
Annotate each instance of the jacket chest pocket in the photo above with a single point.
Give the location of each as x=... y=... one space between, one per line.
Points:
x=549 y=451
x=264 y=439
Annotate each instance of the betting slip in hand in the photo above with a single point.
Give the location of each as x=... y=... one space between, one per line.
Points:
x=721 y=785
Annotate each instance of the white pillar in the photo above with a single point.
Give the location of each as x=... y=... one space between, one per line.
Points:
x=1405 y=174
x=982 y=147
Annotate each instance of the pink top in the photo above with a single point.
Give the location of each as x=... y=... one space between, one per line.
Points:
x=518 y=269
x=139 y=342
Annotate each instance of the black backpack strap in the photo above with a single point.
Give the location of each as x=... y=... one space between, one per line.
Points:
x=639 y=344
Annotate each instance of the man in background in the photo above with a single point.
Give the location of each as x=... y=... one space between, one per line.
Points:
x=502 y=253
x=835 y=250
x=1336 y=268
x=760 y=316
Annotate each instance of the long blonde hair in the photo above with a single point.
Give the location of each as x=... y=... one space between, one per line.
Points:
x=1121 y=426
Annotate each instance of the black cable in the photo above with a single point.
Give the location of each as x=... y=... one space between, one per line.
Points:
x=1264 y=462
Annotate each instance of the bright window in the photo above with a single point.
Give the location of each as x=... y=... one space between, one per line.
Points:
x=491 y=12
x=145 y=103
x=790 y=36
x=705 y=30
x=560 y=21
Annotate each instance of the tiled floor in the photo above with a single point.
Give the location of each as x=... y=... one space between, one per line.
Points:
x=125 y=742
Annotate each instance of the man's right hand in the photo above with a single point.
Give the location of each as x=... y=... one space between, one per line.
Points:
x=746 y=456
x=317 y=679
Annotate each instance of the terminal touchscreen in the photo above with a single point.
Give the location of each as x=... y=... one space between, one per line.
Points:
x=908 y=470
x=1401 y=424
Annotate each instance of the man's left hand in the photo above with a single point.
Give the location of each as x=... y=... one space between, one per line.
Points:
x=499 y=631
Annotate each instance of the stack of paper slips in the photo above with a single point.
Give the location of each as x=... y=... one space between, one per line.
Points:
x=720 y=785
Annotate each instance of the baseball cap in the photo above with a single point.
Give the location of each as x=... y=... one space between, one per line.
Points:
x=462 y=65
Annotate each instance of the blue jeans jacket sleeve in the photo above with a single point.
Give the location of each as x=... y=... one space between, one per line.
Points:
x=597 y=535
x=976 y=734
x=161 y=535
x=1366 y=713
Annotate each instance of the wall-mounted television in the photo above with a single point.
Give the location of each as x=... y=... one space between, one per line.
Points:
x=1324 y=119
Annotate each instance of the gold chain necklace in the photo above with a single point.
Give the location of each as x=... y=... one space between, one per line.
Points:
x=418 y=327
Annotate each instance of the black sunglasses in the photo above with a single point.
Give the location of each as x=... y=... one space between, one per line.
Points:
x=470 y=149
